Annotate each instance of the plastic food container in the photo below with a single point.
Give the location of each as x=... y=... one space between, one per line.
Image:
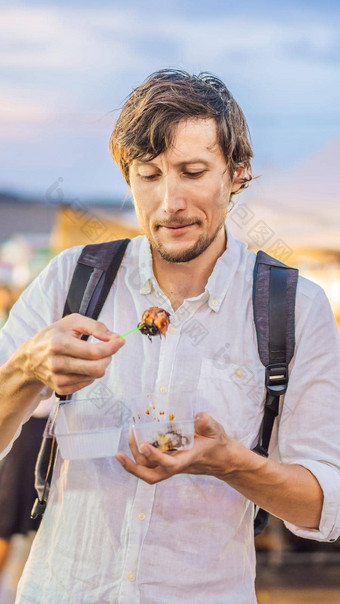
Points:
x=167 y=436
x=84 y=432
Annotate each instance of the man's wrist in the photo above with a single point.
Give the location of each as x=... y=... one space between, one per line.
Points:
x=19 y=368
x=242 y=462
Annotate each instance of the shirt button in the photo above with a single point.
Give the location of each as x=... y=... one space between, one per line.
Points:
x=214 y=302
x=239 y=373
x=173 y=330
x=141 y=516
x=131 y=577
x=163 y=389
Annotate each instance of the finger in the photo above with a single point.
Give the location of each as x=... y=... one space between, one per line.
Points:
x=155 y=456
x=172 y=462
x=71 y=388
x=205 y=425
x=86 y=326
x=149 y=475
x=61 y=365
x=80 y=349
x=62 y=381
x=138 y=456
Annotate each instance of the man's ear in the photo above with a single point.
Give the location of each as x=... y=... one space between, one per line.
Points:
x=238 y=177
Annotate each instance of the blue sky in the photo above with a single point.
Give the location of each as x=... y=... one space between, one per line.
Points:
x=66 y=68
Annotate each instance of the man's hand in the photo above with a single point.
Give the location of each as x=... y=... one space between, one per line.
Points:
x=288 y=491
x=57 y=356
x=209 y=455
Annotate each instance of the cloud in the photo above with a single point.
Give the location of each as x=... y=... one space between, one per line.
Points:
x=64 y=39
x=68 y=39
x=66 y=66
x=13 y=110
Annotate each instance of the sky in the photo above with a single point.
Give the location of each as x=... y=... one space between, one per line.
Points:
x=66 y=68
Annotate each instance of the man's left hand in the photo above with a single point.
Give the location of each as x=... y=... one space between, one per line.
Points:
x=209 y=455
x=289 y=491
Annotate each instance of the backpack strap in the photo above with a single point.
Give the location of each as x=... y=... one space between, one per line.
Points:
x=274 y=292
x=94 y=274
x=96 y=269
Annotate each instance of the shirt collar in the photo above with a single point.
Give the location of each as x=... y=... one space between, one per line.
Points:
x=145 y=267
x=224 y=270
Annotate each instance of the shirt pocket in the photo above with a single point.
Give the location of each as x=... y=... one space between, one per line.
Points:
x=234 y=395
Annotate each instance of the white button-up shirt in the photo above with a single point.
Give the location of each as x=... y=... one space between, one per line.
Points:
x=107 y=536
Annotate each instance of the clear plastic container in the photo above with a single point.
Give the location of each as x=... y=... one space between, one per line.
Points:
x=167 y=436
x=166 y=419
x=84 y=431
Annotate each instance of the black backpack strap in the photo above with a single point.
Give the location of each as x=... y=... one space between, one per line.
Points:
x=274 y=292
x=94 y=274
x=92 y=279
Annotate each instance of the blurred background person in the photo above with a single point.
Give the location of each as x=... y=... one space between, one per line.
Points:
x=17 y=495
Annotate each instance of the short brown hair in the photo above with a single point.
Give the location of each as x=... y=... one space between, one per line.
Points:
x=148 y=120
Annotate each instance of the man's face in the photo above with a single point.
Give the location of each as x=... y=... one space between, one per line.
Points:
x=181 y=197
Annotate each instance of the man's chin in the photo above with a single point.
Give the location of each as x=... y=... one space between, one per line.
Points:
x=183 y=254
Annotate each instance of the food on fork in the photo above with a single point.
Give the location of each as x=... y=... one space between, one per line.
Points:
x=155 y=322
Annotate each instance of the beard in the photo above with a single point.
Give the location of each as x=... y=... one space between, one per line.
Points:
x=202 y=244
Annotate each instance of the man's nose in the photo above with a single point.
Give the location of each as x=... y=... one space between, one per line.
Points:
x=174 y=198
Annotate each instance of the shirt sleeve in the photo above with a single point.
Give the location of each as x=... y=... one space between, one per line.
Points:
x=40 y=304
x=310 y=420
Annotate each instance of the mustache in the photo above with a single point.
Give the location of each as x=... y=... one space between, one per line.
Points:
x=178 y=222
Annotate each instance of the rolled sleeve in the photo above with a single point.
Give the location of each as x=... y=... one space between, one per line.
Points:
x=328 y=478
x=308 y=432
x=40 y=304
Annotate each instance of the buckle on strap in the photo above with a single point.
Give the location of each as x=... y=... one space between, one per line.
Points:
x=276 y=378
x=38 y=508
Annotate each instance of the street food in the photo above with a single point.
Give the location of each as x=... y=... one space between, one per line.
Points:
x=171 y=440
x=155 y=322
x=167 y=436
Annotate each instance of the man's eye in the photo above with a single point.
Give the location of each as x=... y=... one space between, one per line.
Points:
x=149 y=177
x=194 y=174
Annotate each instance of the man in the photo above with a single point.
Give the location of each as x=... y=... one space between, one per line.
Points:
x=107 y=536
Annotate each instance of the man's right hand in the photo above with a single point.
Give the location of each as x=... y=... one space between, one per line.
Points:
x=58 y=358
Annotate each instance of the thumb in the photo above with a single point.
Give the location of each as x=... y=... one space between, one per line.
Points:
x=205 y=425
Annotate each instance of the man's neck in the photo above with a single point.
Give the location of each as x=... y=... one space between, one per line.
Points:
x=183 y=280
